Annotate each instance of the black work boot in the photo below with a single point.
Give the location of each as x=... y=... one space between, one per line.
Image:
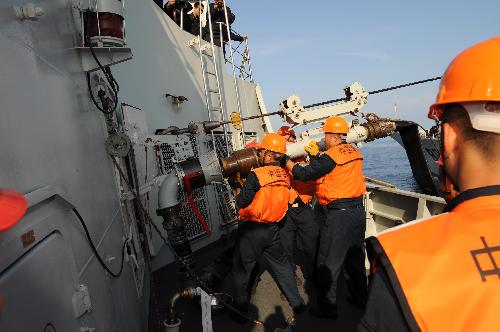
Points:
x=328 y=311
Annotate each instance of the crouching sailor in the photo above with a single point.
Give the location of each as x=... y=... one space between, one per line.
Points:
x=263 y=202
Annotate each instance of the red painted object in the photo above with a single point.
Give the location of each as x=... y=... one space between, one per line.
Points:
x=192 y=204
x=13 y=206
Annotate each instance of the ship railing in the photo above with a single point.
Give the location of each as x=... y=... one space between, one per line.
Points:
x=239 y=55
x=241 y=58
x=231 y=57
x=225 y=38
x=233 y=66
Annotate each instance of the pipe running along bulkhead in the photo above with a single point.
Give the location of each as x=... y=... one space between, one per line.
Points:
x=169 y=209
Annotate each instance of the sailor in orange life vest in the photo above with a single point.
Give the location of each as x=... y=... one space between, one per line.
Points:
x=300 y=223
x=339 y=187
x=443 y=273
x=263 y=202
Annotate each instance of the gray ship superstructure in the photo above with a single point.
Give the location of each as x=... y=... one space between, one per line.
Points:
x=113 y=123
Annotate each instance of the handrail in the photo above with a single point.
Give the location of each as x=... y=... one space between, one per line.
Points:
x=237 y=90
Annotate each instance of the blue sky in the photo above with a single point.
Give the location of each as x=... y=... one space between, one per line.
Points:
x=315 y=48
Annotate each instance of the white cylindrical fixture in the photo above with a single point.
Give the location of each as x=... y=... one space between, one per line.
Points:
x=167 y=195
x=295 y=150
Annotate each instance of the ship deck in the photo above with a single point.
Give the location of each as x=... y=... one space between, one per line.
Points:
x=266 y=304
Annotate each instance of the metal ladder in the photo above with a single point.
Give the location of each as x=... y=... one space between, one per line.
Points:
x=210 y=73
x=235 y=80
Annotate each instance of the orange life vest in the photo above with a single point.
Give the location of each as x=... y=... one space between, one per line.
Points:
x=346 y=179
x=446 y=269
x=271 y=201
x=303 y=189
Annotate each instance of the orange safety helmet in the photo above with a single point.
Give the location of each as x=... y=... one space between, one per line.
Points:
x=285 y=130
x=336 y=125
x=473 y=76
x=13 y=205
x=252 y=145
x=274 y=142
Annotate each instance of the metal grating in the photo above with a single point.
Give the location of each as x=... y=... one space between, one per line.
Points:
x=220 y=144
x=225 y=196
x=192 y=225
x=225 y=201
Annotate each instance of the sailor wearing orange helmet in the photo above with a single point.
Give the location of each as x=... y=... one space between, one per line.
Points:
x=300 y=225
x=263 y=203
x=339 y=187
x=287 y=133
x=443 y=273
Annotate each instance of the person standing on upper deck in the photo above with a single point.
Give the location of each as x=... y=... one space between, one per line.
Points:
x=218 y=18
x=192 y=24
x=176 y=9
x=339 y=187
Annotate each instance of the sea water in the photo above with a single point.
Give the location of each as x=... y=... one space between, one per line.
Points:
x=386 y=160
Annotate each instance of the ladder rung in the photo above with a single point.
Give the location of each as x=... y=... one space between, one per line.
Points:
x=210 y=73
x=213 y=91
x=207 y=54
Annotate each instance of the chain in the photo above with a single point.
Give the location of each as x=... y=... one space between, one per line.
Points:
x=190 y=272
x=377 y=91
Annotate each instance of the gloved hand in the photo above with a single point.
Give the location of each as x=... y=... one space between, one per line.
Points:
x=284 y=159
x=312 y=148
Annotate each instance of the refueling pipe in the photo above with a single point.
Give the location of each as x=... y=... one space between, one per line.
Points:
x=173 y=321
x=169 y=210
x=243 y=161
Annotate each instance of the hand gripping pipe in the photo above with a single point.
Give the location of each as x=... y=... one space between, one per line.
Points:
x=244 y=160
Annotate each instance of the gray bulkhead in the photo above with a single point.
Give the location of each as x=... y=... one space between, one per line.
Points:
x=52 y=135
x=165 y=62
x=52 y=150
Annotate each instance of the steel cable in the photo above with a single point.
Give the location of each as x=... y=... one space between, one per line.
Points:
x=376 y=91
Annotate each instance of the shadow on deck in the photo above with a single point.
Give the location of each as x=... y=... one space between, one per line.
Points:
x=266 y=304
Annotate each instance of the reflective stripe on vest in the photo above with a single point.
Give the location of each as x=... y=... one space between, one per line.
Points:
x=446 y=269
x=271 y=201
x=346 y=179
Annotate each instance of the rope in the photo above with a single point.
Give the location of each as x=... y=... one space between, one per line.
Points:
x=377 y=91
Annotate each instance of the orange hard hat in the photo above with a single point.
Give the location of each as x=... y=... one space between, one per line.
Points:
x=336 y=125
x=285 y=130
x=252 y=144
x=13 y=205
x=274 y=142
x=473 y=76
